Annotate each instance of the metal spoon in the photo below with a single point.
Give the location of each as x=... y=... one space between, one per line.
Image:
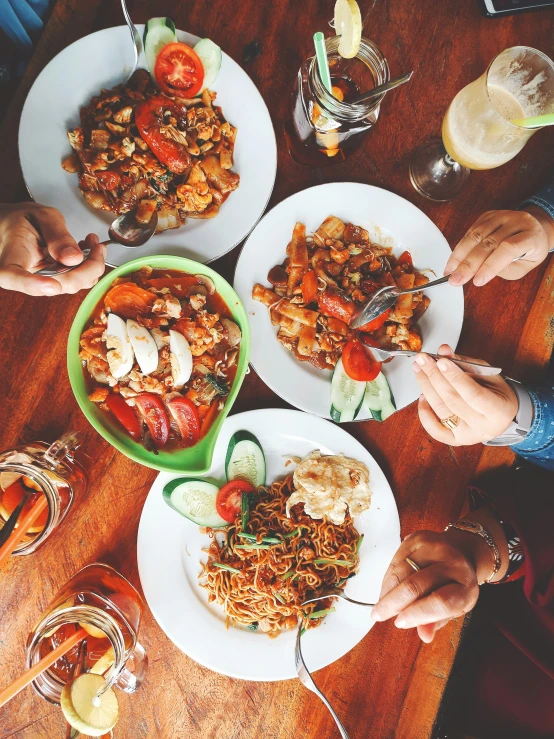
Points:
x=9 y=526
x=135 y=35
x=381 y=89
x=385 y=298
x=125 y=231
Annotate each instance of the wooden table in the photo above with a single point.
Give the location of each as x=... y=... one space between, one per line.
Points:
x=390 y=685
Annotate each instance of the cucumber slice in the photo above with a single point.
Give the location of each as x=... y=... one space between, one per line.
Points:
x=211 y=57
x=245 y=459
x=346 y=395
x=194 y=499
x=378 y=398
x=158 y=32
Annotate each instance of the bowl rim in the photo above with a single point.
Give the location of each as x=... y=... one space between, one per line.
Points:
x=201 y=452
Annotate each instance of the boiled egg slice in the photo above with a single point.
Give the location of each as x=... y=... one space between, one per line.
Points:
x=181 y=359
x=121 y=356
x=144 y=347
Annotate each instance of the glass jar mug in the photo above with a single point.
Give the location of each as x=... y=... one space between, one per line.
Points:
x=327 y=126
x=104 y=603
x=36 y=469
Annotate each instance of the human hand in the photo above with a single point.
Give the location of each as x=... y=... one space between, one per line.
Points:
x=445 y=587
x=495 y=240
x=27 y=232
x=485 y=406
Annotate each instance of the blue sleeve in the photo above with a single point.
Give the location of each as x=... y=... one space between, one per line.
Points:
x=544 y=199
x=538 y=445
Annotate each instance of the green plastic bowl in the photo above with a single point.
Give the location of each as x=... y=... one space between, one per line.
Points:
x=197 y=459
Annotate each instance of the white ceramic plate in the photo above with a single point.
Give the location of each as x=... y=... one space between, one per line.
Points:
x=391 y=221
x=103 y=60
x=169 y=551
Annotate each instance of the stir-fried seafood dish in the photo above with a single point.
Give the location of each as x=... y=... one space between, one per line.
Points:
x=324 y=280
x=138 y=147
x=160 y=355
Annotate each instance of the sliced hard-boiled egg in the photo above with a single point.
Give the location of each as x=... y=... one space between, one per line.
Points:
x=144 y=347
x=181 y=359
x=121 y=356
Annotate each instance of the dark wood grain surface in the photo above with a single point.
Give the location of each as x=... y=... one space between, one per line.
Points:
x=390 y=685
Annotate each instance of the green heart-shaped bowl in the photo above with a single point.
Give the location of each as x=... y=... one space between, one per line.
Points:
x=197 y=459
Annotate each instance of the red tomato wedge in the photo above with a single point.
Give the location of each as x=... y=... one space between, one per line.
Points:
x=405 y=259
x=185 y=415
x=228 y=501
x=309 y=287
x=377 y=322
x=125 y=415
x=179 y=71
x=155 y=415
x=358 y=364
x=129 y=299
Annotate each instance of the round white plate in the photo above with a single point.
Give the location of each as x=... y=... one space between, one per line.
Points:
x=169 y=551
x=391 y=221
x=105 y=59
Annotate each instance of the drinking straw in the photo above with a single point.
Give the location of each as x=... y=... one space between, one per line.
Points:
x=322 y=61
x=17 y=534
x=537 y=122
x=31 y=674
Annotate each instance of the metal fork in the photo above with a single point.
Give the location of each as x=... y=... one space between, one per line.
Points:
x=135 y=35
x=337 y=593
x=466 y=365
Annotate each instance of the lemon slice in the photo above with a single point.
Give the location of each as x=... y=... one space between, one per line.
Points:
x=84 y=710
x=93 y=631
x=348 y=25
x=104 y=663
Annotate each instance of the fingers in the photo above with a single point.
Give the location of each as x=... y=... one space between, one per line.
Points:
x=432 y=425
x=51 y=227
x=448 y=601
x=19 y=279
x=443 y=397
x=480 y=230
x=427 y=632
x=415 y=586
x=87 y=274
x=510 y=246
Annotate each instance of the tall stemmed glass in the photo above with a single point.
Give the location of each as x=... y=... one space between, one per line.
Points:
x=482 y=128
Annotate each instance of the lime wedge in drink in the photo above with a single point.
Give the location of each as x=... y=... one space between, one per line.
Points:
x=85 y=710
x=348 y=25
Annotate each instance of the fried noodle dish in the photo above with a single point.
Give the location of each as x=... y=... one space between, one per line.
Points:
x=138 y=147
x=325 y=279
x=262 y=570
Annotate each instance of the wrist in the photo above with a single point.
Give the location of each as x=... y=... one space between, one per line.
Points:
x=475 y=550
x=546 y=221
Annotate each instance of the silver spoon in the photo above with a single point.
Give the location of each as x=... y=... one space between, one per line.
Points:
x=385 y=298
x=135 y=36
x=381 y=89
x=125 y=231
x=10 y=524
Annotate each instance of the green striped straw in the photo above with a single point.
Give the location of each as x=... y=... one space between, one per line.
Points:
x=322 y=61
x=537 y=122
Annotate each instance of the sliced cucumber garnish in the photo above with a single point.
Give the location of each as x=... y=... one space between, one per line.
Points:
x=346 y=395
x=378 y=398
x=158 y=32
x=245 y=459
x=211 y=57
x=194 y=499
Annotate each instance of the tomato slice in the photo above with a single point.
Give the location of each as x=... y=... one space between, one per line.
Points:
x=405 y=260
x=185 y=415
x=309 y=287
x=178 y=70
x=377 y=322
x=125 y=415
x=155 y=415
x=228 y=501
x=128 y=300
x=358 y=364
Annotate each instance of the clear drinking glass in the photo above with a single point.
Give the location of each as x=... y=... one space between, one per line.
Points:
x=478 y=131
x=324 y=129
x=39 y=468
x=101 y=600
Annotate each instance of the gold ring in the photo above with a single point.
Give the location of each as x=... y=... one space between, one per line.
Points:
x=412 y=564
x=451 y=422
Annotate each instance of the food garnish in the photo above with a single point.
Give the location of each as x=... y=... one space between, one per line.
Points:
x=85 y=710
x=348 y=25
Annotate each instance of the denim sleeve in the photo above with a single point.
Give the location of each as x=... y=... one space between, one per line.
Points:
x=538 y=445
x=544 y=199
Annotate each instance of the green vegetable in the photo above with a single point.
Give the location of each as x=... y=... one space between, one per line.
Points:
x=378 y=399
x=253 y=626
x=292 y=533
x=359 y=543
x=221 y=387
x=225 y=567
x=252 y=546
x=211 y=58
x=194 y=498
x=264 y=539
x=158 y=32
x=342 y=562
x=288 y=574
x=245 y=459
x=346 y=395
x=245 y=510
x=279 y=598
x=322 y=613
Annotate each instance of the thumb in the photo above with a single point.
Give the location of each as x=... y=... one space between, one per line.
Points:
x=17 y=278
x=50 y=224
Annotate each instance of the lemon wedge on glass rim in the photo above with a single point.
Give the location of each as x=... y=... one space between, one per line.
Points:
x=348 y=25
x=85 y=710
